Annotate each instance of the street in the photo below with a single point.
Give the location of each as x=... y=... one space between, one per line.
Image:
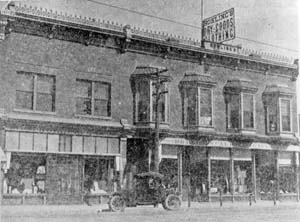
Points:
x=261 y=211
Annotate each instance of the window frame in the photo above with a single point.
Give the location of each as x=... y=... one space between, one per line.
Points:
x=151 y=91
x=280 y=115
x=253 y=110
x=198 y=106
x=35 y=92
x=92 y=98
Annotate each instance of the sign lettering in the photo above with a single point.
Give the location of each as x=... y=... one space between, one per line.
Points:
x=220 y=27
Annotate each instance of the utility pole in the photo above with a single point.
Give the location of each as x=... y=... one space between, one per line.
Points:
x=158 y=83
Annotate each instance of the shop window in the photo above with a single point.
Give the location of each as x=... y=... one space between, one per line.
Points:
x=287 y=174
x=100 y=175
x=35 y=92
x=240 y=105
x=220 y=176
x=265 y=171
x=197 y=100
x=143 y=84
x=26 y=174
x=278 y=109
x=242 y=176
x=93 y=98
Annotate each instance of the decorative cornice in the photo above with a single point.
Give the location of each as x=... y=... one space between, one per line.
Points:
x=92 y=31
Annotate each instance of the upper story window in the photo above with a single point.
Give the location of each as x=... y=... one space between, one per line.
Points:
x=93 y=98
x=197 y=100
x=278 y=109
x=35 y=92
x=240 y=105
x=144 y=81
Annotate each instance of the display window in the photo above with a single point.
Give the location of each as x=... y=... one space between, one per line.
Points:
x=242 y=177
x=287 y=174
x=265 y=171
x=220 y=176
x=26 y=174
x=100 y=176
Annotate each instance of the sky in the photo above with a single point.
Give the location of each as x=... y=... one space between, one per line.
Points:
x=273 y=22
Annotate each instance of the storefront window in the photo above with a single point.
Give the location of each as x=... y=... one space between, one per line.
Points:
x=26 y=174
x=287 y=178
x=220 y=176
x=100 y=176
x=265 y=171
x=242 y=176
x=168 y=168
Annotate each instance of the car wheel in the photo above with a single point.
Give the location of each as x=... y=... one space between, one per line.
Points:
x=172 y=202
x=117 y=204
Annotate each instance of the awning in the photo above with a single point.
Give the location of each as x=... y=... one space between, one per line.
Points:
x=260 y=146
x=293 y=148
x=220 y=143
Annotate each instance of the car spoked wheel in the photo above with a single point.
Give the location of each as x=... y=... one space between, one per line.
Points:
x=172 y=202
x=117 y=204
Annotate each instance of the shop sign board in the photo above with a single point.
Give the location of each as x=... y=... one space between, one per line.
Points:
x=220 y=27
x=260 y=146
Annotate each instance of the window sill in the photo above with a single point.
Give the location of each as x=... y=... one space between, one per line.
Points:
x=199 y=128
x=93 y=117
x=243 y=131
x=34 y=112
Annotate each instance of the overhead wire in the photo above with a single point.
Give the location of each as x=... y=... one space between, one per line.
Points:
x=181 y=23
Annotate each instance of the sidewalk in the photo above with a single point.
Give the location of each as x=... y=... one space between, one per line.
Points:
x=73 y=210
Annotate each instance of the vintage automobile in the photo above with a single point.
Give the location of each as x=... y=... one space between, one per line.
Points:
x=147 y=190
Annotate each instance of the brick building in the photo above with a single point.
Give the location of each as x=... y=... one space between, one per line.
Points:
x=77 y=111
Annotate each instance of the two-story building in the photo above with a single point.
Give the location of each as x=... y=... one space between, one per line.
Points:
x=77 y=111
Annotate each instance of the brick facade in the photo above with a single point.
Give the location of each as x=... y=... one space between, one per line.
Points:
x=72 y=53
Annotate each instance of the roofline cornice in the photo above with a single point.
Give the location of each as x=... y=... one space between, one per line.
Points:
x=128 y=35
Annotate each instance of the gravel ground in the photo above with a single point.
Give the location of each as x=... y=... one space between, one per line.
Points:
x=229 y=212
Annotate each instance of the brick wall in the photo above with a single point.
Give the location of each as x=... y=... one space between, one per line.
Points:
x=69 y=61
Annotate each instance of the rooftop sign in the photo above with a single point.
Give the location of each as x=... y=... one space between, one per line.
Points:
x=220 y=27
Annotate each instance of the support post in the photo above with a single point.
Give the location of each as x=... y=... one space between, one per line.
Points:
x=297 y=175
x=179 y=159
x=231 y=174
x=254 y=192
x=208 y=173
x=277 y=186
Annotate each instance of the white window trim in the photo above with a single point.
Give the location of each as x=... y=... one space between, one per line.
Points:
x=280 y=119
